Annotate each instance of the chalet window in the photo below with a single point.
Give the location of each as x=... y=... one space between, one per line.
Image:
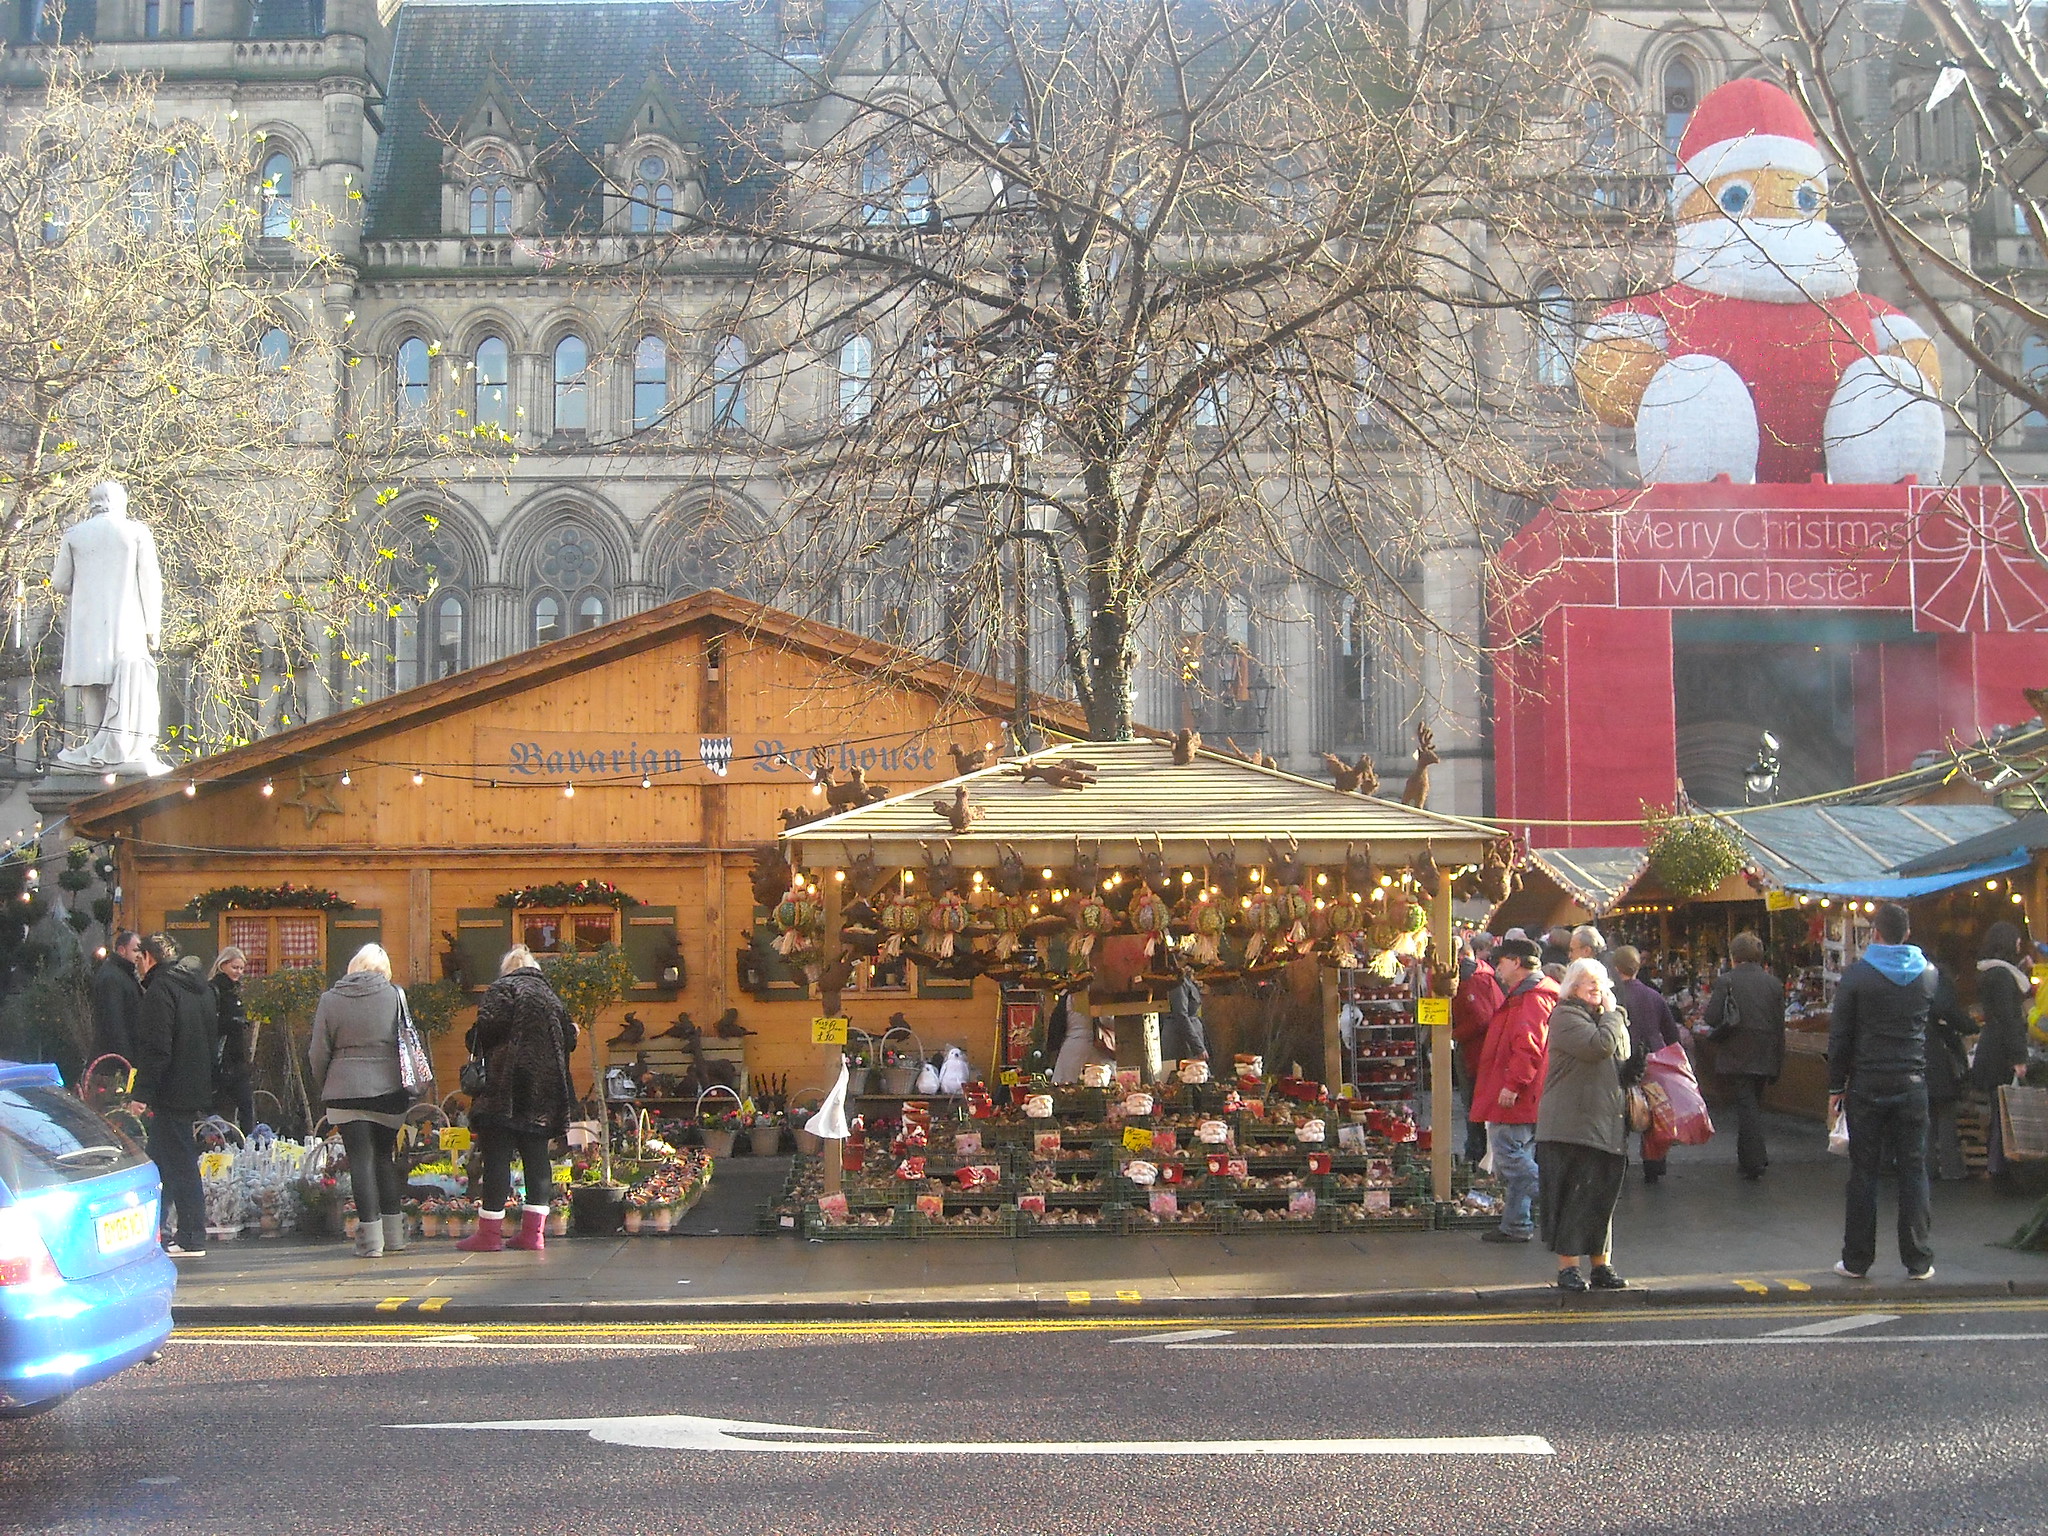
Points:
x=547 y=931
x=276 y=941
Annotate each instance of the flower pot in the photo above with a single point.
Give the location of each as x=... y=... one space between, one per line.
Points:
x=717 y=1143
x=594 y=1209
x=766 y=1140
x=558 y=1223
x=662 y=1218
x=808 y=1144
x=898 y=1080
x=635 y=1218
x=857 y=1079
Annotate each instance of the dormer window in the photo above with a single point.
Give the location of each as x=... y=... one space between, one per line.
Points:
x=490 y=200
x=653 y=206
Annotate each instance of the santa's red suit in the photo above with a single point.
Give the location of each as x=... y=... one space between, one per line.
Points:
x=1790 y=356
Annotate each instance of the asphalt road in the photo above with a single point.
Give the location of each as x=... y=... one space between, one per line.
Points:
x=1905 y=1419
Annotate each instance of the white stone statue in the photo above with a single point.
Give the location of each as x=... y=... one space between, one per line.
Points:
x=107 y=567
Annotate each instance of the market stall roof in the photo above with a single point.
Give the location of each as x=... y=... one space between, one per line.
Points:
x=1596 y=878
x=2020 y=838
x=1141 y=794
x=1858 y=850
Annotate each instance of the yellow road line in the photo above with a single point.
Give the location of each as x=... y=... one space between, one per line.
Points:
x=435 y=1303
x=1795 y=1285
x=392 y=1303
x=913 y=1327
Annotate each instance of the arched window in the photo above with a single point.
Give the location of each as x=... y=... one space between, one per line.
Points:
x=56 y=204
x=590 y=611
x=877 y=206
x=2034 y=368
x=1681 y=95
x=572 y=385
x=1556 y=341
x=493 y=385
x=1214 y=398
x=572 y=560
x=144 y=193
x=856 y=379
x=402 y=647
x=276 y=191
x=152 y=18
x=413 y=378
x=188 y=18
x=650 y=381
x=653 y=208
x=729 y=385
x=547 y=618
x=894 y=189
x=490 y=199
x=274 y=350
x=450 y=635
x=917 y=194
x=1600 y=152
x=184 y=191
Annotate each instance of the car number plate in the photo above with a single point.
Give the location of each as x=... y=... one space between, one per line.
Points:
x=124 y=1229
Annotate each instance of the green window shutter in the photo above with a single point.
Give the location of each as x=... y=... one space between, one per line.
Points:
x=651 y=943
x=780 y=980
x=939 y=986
x=194 y=933
x=482 y=935
x=348 y=932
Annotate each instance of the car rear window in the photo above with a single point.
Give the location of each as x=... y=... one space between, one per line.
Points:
x=49 y=1139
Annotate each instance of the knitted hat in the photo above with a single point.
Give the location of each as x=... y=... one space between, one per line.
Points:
x=1745 y=125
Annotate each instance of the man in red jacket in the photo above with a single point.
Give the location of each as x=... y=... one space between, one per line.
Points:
x=1510 y=1081
x=1472 y=1012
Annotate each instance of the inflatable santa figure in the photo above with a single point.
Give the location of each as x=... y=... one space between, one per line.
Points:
x=1762 y=361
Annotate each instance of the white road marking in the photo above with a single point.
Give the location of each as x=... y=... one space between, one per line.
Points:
x=1435 y=1345
x=1826 y=1326
x=1185 y=1336
x=687 y=1432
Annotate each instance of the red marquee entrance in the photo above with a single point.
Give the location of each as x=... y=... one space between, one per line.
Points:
x=1945 y=599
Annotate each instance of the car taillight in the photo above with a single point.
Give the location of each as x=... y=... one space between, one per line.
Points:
x=24 y=1259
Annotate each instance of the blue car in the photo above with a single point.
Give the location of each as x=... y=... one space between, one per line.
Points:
x=85 y=1288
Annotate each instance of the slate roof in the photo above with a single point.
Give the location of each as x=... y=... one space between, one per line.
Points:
x=1596 y=878
x=1143 y=794
x=1806 y=847
x=571 y=72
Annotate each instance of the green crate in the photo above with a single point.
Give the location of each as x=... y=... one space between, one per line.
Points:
x=1217 y=1217
x=1003 y=1226
x=1112 y=1224
x=1339 y=1218
x=899 y=1225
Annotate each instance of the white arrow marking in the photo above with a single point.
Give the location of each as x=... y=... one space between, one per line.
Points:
x=686 y=1432
x=1830 y=1325
x=1185 y=1336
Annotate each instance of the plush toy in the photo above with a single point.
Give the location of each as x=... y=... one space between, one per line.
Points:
x=1762 y=361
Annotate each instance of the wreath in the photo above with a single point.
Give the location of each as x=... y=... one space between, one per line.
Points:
x=580 y=893
x=1690 y=855
x=269 y=898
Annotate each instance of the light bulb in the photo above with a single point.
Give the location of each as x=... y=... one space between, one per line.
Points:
x=646 y=782
x=418 y=779
x=268 y=789
x=107 y=779
x=1322 y=879
x=191 y=789
x=839 y=874
x=568 y=791
x=345 y=779
x=1045 y=874
x=1187 y=877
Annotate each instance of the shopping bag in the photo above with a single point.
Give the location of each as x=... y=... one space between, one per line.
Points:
x=415 y=1067
x=1838 y=1133
x=2023 y=1120
x=1677 y=1111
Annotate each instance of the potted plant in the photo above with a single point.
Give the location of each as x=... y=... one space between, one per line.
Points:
x=718 y=1128
x=765 y=1135
x=588 y=983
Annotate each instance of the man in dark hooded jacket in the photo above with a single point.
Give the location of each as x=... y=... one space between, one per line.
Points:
x=174 y=1080
x=1877 y=1073
x=117 y=998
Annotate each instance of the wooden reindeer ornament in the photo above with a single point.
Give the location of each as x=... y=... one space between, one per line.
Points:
x=1416 y=793
x=1360 y=778
x=1223 y=871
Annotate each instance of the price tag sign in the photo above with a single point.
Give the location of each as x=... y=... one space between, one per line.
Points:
x=828 y=1031
x=1008 y=1077
x=1433 y=1011
x=455 y=1138
x=1137 y=1138
x=214 y=1164
x=563 y=1172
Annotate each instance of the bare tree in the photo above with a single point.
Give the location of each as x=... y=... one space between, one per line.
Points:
x=162 y=323
x=1076 y=310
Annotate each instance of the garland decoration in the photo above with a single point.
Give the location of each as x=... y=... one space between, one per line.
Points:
x=269 y=898
x=580 y=893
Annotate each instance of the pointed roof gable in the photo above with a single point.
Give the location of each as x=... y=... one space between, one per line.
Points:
x=721 y=612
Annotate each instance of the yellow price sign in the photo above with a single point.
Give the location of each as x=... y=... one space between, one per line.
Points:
x=1137 y=1138
x=214 y=1164
x=455 y=1138
x=1780 y=901
x=1433 y=1011
x=1009 y=1077
x=828 y=1031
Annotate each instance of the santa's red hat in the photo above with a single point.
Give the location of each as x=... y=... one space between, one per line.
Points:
x=1745 y=125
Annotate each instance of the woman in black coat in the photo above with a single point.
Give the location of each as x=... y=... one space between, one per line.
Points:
x=233 y=1080
x=1948 y=1026
x=2003 y=986
x=523 y=1036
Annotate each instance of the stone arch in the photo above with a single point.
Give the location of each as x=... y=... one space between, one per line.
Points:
x=699 y=538
x=489 y=319
x=530 y=528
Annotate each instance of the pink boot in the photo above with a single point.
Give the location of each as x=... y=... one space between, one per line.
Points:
x=490 y=1234
x=533 y=1229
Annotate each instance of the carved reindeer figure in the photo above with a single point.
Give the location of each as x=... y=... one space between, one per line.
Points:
x=867 y=875
x=1009 y=870
x=1186 y=743
x=1360 y=877
x=938 y=867
x=1428 y=877
x=1287 y=867
x=965 y=762
x=833 y=977
x=1426 y=757
x=1223 y=872
x=1087 y=866
x=770 y=877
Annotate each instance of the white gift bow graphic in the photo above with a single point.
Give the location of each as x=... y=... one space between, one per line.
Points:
x=687 y=1432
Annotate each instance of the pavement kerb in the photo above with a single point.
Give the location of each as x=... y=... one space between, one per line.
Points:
x=1521 y=1298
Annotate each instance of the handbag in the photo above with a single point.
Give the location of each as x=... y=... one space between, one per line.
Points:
x=1638 y=1108
x=415 y=1067
x=473 y=1079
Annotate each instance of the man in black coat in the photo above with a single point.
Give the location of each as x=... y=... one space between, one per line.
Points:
x=117 y=999
x=1877 y=1072
x=1745 y=1018
x=174 y=1081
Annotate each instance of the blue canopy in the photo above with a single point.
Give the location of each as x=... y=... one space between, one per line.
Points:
x=1905 y=887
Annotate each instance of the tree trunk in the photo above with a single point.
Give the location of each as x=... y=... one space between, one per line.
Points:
x=1112 y=660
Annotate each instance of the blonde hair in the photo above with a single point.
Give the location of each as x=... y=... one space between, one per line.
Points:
x=1603 y=984
x=518 y=957
x=371 y=957
x=228 y=952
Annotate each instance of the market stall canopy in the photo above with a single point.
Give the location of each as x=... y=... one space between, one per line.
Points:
x=1596 y=878
x=1140 y=795
x=1861 y=850
x=2016 y=840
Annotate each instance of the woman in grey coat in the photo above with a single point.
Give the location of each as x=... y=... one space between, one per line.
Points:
x=355 y=1062
x=1582 y=1127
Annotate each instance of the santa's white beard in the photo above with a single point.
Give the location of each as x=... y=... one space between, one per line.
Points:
x=1781 y=261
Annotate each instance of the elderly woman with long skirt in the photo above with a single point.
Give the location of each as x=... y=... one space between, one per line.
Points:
x=1582 y=1127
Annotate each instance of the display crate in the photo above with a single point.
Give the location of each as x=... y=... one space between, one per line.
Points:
x=1112 y=1224
x=898 y=1225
